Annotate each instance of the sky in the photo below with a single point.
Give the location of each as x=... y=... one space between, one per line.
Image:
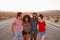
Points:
x=29 y=5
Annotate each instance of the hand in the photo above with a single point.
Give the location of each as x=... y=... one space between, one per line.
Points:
x=13 y=34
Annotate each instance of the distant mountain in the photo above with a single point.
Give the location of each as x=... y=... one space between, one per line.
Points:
x=51 y=12
x=48 y=12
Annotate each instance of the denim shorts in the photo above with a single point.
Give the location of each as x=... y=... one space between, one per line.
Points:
x=41 y=33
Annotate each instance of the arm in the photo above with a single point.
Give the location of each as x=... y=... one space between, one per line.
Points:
x=37 y=27
x=13 y=28
x=45 y=26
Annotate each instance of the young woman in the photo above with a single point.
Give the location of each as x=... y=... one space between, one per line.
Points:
x=17 y=27
x=41 y=28
x=26 y=27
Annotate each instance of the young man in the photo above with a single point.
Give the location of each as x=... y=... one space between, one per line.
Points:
x=34 y=21
x=17 y=27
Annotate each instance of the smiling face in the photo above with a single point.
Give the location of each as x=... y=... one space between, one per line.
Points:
x=20 y=17
x=26 y=19
x=34 y=16
x=39 y=19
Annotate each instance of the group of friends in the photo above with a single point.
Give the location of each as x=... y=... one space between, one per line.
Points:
x=29 y=28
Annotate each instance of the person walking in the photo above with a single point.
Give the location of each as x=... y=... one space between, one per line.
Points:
x=17 y=27
x=26 y=27
x=41 y=28
x=34 y=21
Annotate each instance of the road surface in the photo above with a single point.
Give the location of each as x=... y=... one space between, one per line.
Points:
x=53 y=33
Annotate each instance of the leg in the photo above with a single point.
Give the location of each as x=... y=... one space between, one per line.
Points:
x=24 y=37
x=35 y=35
x=38 y=36
x=20 y=36
x=43 y=38
x=31 y=36
x=28 y=36
x=16 y=36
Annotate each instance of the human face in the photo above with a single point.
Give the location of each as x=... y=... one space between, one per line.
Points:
x=20 y=17
x=34 y=16
x=39 y=19
x=26 y=19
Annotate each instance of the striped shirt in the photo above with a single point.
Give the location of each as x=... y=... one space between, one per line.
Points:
x=27 y=27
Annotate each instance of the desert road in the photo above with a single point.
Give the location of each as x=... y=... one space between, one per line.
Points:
x=53 y=32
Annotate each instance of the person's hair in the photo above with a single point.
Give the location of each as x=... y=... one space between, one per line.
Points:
x=41 y=16
x=19 y=14
x=34 y=13
x=26 y=16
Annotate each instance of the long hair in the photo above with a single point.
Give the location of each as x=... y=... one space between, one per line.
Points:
x=26 y=16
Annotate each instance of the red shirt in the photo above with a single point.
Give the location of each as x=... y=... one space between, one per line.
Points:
x=41 y=26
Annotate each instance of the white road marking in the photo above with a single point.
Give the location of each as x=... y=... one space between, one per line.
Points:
x=54 y=27
x=7 y=23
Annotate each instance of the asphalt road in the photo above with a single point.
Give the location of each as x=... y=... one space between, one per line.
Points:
x=53 y=33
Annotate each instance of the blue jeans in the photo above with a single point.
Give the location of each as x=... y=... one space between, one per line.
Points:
x=18 y=36
x=42 y=33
